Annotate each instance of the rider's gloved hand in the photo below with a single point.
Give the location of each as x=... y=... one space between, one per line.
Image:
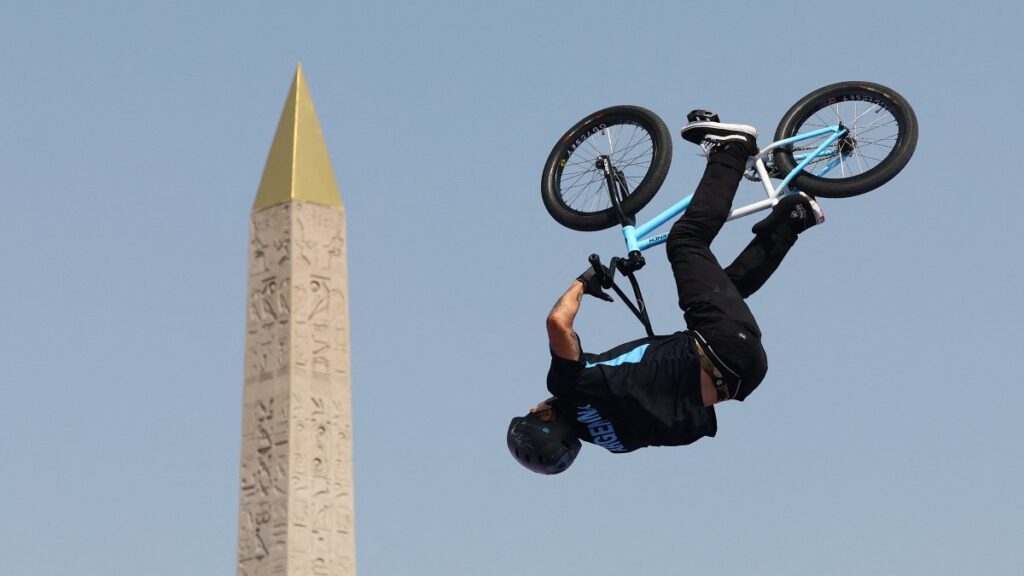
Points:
x=592 y=283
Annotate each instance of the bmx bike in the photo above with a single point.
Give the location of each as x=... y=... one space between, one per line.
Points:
x=840 y=140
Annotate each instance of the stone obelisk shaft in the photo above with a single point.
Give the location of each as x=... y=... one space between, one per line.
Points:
x=296 y=507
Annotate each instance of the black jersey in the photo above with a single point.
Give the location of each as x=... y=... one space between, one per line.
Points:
x=641 y=393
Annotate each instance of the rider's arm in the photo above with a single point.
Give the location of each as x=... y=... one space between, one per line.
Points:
x=561 y=337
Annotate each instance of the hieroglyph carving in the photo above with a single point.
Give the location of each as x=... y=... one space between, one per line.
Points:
x=297 y=506
x=321 y=485
x=264 y=480
x=269 y=295
x=320 y=306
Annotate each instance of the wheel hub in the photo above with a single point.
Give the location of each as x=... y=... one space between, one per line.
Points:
x=846 y=142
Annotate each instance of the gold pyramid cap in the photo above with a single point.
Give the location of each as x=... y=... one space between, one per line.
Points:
x=298 y=166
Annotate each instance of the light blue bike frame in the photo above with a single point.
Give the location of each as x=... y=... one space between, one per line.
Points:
x=637 y=236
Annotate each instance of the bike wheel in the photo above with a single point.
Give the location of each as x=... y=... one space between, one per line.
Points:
x=573 y=187
x=882 y=135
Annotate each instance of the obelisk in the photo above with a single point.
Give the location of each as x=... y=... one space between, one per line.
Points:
x=296 y=507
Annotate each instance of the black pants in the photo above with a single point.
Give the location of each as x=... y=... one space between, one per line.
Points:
x=712 y=298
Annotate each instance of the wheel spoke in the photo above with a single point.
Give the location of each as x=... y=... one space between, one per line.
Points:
x=858 y=156
x=630 y=150
x=857 y=116
x=867 y=132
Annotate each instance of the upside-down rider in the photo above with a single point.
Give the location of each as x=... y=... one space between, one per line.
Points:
x=661 y=390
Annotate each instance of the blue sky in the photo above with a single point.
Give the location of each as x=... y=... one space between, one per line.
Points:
x=886 y=438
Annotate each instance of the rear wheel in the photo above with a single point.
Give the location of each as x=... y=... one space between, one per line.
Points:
x=881 y=137
x=573 y=186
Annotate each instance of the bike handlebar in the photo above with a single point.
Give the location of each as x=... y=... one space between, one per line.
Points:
x=625 y=266
x=605 y=279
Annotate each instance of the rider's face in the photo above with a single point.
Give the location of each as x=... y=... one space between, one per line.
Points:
x=544 y=410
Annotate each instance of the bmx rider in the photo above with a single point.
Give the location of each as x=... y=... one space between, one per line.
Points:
x=661 y=390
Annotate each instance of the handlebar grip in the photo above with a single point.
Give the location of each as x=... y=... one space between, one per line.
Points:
x=595 y=263
x=605 y=278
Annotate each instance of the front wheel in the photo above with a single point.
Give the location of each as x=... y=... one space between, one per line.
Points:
x=880 y=139
x=573 y=186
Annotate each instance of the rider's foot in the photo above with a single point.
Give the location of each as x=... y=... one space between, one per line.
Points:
x=798 y=211
x=704 y=129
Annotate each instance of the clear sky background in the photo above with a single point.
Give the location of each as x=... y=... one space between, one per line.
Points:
x=886 y=439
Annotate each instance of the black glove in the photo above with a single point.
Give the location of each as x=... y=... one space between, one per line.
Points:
x=592 y=284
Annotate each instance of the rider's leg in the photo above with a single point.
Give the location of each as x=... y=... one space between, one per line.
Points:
x=759 y=260
x=774 y=236
x=711 y=303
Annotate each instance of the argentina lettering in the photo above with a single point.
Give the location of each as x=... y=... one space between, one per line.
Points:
x=601 y=430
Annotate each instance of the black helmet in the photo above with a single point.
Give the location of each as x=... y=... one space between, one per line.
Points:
x=544 y=447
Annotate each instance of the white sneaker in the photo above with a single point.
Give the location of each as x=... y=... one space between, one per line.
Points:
x=714 y=136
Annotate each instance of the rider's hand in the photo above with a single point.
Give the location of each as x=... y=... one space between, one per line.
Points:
x=592 y=283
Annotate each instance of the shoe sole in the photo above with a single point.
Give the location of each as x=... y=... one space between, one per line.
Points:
x=695 y=131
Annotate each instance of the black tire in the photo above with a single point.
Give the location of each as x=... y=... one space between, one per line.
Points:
x=882 y=137
x=573 y=187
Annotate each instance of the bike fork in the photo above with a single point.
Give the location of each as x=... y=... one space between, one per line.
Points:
x=617 y=189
